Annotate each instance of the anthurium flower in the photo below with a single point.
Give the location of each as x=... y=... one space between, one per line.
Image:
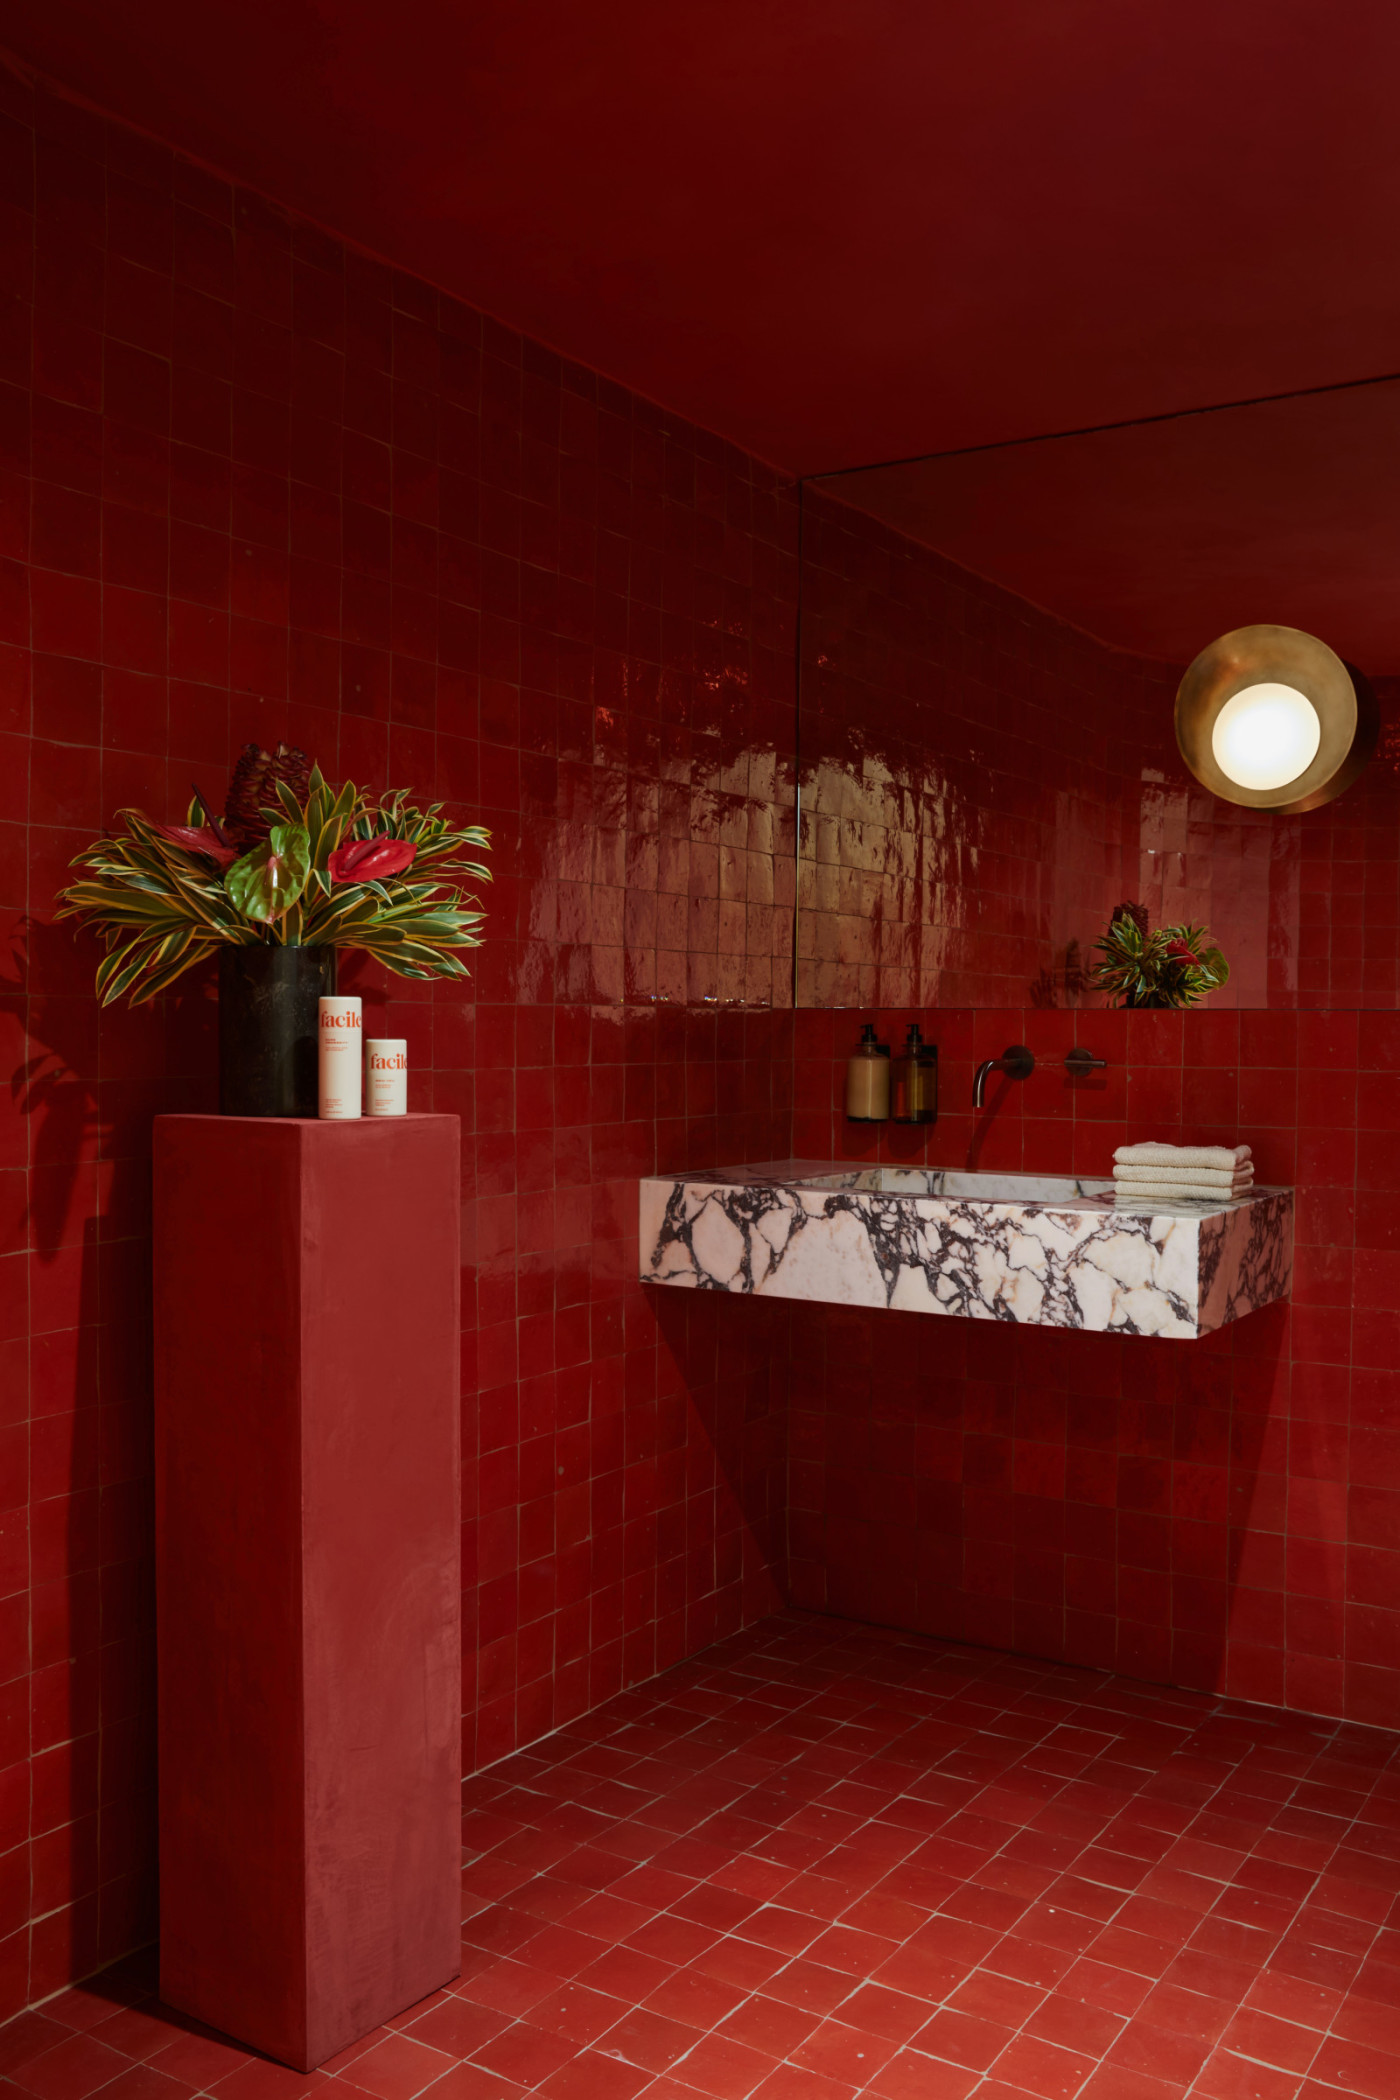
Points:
x=1180 y=951
x=371 y=860
x=199 y=838
x=272 y=875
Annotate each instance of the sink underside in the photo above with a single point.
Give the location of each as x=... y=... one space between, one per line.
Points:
x=1040 y=1250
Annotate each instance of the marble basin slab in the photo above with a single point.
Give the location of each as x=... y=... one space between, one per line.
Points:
x=1042 y=1250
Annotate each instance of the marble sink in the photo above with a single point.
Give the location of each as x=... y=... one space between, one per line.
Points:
x=1042 y=1250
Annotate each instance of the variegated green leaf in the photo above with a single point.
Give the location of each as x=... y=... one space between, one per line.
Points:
x=175 y=966
x=133 y=961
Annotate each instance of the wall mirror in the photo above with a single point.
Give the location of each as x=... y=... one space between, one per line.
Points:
x=990 y=645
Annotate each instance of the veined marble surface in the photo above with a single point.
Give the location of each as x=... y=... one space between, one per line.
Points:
x=1039 y=1249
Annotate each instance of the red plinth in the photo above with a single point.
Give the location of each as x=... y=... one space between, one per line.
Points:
x=308 y=1573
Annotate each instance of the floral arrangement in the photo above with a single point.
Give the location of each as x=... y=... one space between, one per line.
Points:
x=1171 y=966
x=292 y=862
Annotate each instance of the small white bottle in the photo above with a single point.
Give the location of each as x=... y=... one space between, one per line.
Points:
x=386 y=1069
x=340 y=1068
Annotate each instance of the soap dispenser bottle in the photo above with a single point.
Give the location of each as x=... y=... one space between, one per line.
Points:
x=868 y=1080
x=914 y=1080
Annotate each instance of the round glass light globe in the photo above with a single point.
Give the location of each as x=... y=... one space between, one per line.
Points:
x=1265 y=736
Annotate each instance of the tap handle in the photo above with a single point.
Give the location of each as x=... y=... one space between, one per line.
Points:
x=1079 y=1062
x=1017 y=1062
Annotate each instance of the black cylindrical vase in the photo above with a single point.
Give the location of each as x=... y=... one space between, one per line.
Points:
x=268 y=1028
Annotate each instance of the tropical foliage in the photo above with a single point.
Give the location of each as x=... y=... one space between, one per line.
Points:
x=1168 y=966
x=310 y=866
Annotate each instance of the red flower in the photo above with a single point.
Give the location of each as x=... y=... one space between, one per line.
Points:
x=371 y=860
x=1179 y=951
x=199 y=839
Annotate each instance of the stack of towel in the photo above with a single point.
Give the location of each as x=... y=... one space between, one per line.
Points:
x=1204 y=1173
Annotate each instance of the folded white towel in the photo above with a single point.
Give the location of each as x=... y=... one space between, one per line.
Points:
x=1217 y=1156
x=1210 y=1177
x=1203 y=1184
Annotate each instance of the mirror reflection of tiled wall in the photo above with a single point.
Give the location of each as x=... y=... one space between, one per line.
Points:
x=982 y=783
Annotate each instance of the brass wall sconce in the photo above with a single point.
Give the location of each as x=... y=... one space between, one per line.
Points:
x=1271 y=718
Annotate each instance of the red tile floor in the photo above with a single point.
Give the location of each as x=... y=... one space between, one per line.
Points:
x=822 y=1860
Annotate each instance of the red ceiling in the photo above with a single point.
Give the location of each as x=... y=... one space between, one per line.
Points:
x=834 y=230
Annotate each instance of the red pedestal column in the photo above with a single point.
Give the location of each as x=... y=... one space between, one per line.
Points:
x=308 y=1572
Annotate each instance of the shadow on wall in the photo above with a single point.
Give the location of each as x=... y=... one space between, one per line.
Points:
x=720 y=1496
x=83 y=1091
x=1105 y=1500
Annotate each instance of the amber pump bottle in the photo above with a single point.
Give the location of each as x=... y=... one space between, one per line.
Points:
x=868 y=1080
x=914 y=1080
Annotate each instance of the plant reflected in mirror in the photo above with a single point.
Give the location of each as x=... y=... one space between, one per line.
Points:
x=1169 y=966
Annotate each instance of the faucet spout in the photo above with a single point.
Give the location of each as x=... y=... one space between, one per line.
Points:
x=1017 y=1062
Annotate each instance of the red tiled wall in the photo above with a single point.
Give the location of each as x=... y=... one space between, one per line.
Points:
x=1221 y=1514
x=255 y=485
x=970 y=778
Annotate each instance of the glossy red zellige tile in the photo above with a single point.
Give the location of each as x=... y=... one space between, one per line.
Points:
x=431 y=551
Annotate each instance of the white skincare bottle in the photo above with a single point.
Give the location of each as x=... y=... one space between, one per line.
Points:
x=340 y=1067
x=386 y=1076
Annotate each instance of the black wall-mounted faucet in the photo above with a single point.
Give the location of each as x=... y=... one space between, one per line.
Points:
x=1017 y=1062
